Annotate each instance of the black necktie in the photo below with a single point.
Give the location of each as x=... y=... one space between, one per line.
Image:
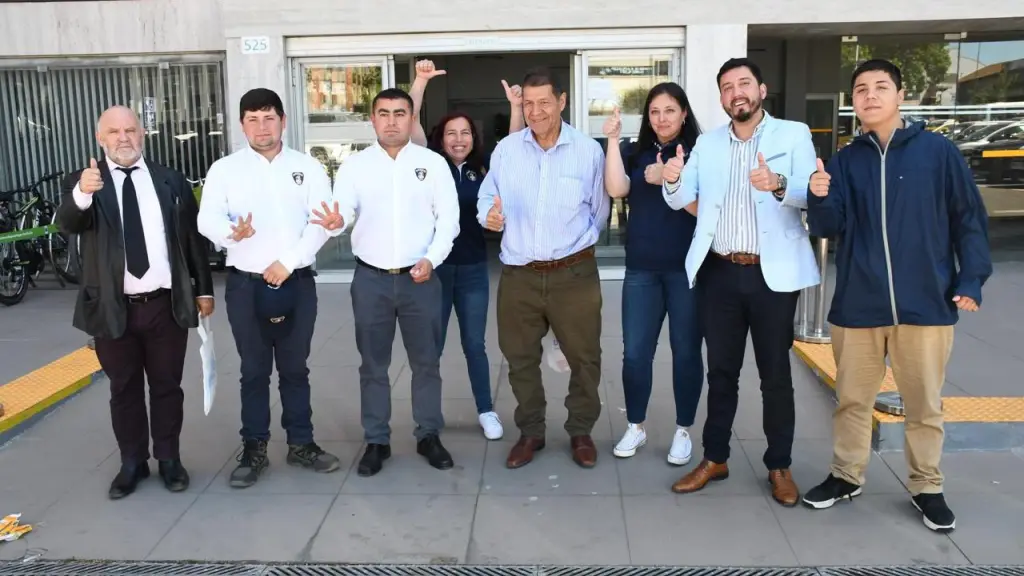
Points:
x=134 y=238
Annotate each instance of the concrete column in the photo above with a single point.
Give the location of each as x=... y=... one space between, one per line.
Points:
x=247 y=71
x=795 y=87
x=708 y=46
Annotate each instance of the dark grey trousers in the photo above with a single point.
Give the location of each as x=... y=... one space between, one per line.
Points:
x=378 y=299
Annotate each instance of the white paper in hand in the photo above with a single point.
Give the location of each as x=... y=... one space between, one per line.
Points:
x=209 y=358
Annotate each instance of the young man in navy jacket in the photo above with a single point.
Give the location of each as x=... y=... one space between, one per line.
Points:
x=912 y=252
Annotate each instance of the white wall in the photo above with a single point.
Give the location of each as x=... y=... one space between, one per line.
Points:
x=708 y=46
x=105 y=28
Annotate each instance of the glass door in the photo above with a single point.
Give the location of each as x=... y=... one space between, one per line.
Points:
x=333 y=99
x=610 y=78
x=822 y=118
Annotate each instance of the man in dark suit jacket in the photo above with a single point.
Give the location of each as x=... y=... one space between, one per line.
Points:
x=145 y=279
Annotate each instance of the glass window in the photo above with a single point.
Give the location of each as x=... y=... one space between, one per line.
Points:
x=338 y=100
x=970 y=90
x=48 y=118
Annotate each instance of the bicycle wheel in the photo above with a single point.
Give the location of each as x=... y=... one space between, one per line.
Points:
x=13 y=279
x=62 y=257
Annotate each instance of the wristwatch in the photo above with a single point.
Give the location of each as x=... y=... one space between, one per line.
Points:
x=781 y=190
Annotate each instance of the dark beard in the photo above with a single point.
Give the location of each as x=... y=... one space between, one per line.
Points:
x=744 y=116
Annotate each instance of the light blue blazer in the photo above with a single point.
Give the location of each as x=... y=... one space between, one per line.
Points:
x=787 y=259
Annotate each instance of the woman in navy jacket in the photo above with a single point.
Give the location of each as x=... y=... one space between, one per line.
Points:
x=656 y=284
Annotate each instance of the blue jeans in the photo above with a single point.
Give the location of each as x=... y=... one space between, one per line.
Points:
x=646 y=298
x=467 y=287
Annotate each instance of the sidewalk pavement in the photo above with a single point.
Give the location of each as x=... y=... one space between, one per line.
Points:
x=550 y=512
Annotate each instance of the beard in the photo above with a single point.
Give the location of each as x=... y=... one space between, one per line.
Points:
x=745 y=115
x=123 y=156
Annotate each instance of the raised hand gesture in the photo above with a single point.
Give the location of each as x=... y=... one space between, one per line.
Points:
x=328 y=219
x=762 y=177
x=820 y=181
x=674 y=167
x=495 y=219
x=243 y=229
x=425 y=69
x=91 y=181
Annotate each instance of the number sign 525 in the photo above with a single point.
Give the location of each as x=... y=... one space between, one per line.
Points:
x=255 y=45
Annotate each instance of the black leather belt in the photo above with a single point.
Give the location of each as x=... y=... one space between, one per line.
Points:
x=391 y=271
x=298 y=273
x=147 y=296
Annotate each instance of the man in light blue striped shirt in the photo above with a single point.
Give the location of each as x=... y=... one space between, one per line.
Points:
x=545 y=191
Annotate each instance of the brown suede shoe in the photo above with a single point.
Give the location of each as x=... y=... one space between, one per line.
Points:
x=584 y=453
x=698 y=478
x=522 y=453
x=784 y=489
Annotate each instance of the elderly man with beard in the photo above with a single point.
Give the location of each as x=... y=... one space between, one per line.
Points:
x=145 y=280
x=749 y=259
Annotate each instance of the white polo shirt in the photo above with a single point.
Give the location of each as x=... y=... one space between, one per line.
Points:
x=281 y=195
x=405 y=209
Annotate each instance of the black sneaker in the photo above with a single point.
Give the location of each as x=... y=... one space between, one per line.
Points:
x=829 y=492
x=252 y=461
x=313 y=457
x=937 y=514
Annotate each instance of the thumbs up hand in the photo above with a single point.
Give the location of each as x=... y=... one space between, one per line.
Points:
x=762 y=177
x=612 y=128
x=820 y=181
x=495 y=219
x=90 y=181
x=653 y=174
x=671 y=170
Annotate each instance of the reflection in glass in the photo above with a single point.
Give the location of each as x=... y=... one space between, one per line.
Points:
x=972 y=92
x=338 y=101
x=622 y=81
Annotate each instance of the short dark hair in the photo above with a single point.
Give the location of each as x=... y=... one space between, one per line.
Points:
x=542 y=76
x=878 y=65
x=260 y=100
x=734 y=63
x=391 y=94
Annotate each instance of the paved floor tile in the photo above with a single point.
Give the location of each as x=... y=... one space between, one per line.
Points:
x=731 y=530
x=398 y=529
x=552 y=472
x=648 y=473
x=255 y=527
x=585 y=530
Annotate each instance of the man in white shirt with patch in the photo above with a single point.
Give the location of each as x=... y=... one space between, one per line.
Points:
x=258 y=204
x=408 y=217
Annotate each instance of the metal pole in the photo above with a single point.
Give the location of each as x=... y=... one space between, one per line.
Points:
x=816 y=332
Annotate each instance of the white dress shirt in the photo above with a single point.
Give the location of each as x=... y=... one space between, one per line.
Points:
x=159 y=274
x=405 y=209
x=280 y=194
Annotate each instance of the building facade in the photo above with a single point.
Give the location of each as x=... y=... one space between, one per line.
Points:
x=183 y=65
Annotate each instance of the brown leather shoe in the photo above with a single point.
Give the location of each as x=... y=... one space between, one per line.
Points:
x=698 y=478
x=584 y=453
x=784 y=489
x=522 y=453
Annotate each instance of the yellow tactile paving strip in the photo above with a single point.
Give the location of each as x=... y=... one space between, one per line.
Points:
x=38 y=390
x=956 y=409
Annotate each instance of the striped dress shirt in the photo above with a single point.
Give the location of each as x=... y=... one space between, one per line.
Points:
x=737 y=226
x=553 y=201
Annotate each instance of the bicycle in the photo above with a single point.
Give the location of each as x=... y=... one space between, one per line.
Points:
x=23 y=251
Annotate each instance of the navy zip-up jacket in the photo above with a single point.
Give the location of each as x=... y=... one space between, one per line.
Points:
x=905 y=216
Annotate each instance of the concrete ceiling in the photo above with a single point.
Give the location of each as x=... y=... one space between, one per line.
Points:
x=926 y=27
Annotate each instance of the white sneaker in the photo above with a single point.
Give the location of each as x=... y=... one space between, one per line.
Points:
x=634 y=438
x=491 y=424
x=679 y=454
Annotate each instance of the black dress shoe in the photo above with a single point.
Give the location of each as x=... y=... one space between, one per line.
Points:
x=127 y=479
x=373 y=459
x=431 y=448
x=174 y=475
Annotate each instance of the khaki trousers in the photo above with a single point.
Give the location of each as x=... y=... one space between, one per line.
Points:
x=918 y=355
